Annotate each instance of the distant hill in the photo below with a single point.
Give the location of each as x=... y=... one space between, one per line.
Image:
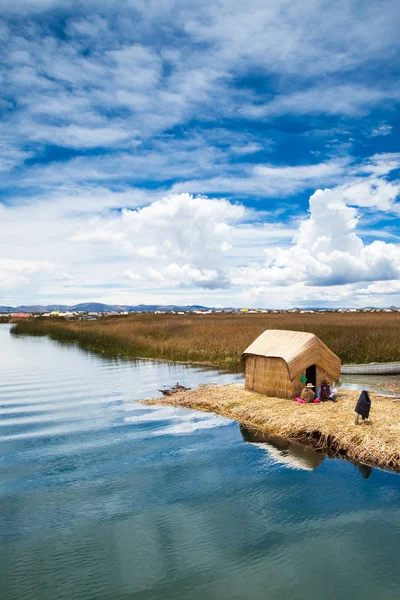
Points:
x=98 y=307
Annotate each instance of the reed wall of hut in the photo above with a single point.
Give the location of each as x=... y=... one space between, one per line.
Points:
x=270 y=376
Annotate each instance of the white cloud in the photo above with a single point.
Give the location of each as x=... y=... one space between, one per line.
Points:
x=327 y=251
x=175 y=275
x=10 y=154
x=177 y=240
x=383 y=129
x=391 y=287
x=286 y=36
x=380 y=164
x=17 y=273
x=362 y=183
x=269 y=180
x=372 y=192
x=178 y=243
x=250 y=148
x=204 y=278
x=345 y=99
x=76 y=136
x=130 y=275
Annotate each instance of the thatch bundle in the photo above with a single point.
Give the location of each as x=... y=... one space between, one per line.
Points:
x=327 y=426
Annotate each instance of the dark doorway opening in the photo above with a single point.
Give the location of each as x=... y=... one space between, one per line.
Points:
x=311 y=374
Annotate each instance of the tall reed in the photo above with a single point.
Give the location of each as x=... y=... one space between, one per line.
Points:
x=220 y=339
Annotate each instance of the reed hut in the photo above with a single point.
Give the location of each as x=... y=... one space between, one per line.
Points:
x=276 y=360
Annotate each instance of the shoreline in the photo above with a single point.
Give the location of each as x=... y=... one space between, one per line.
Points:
x=328 y=427
x=223 y=368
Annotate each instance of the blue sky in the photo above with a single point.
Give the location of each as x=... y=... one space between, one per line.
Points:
x=221 y=153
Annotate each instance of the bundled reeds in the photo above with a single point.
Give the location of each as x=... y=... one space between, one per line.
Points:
x=326 y=426
x=270 y=376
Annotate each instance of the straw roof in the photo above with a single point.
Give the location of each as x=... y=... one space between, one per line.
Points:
x=298 y=349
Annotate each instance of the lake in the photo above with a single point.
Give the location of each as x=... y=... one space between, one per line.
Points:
x=102 y=497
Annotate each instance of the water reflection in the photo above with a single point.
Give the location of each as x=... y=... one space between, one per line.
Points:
x=365 y=470
x=292 y=455
x=289 y=453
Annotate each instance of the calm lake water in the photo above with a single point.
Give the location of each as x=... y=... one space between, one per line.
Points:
x=104 y=498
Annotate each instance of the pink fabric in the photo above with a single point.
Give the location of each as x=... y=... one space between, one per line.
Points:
x=300 y=401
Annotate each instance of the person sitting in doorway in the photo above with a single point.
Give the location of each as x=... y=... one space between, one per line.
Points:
x=307 y=394
x=325 y=392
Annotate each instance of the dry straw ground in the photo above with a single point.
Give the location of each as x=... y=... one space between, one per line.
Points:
x=220 y=339
x=327 y=426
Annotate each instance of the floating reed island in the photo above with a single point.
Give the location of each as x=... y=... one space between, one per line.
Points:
x=328 y=426
x=277 y=365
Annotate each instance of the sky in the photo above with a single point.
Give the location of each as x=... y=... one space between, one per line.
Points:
x=221 y=152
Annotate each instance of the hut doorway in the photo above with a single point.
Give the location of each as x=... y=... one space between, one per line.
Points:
x=311 y=374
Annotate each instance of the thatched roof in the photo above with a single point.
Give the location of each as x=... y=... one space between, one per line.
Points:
x=298 y=349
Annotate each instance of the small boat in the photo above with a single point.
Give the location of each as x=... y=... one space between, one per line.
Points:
x=374 y=368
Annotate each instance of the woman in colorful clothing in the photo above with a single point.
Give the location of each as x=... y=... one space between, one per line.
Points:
x=307 y=394
x=325 y=392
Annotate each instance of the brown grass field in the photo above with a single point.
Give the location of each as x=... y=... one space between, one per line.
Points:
x=220 y=339
x=327 y=426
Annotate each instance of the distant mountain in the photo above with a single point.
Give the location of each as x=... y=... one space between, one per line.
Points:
x=95 y=307
x=98 y=307
x=166 y=308
x=7 y=309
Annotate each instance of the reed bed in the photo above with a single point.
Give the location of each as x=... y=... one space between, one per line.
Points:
x=326 y=426
x=220 y=339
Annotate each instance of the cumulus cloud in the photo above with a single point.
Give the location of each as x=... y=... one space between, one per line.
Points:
x=179 y=239
x=326 y=251
x=391 y=287
x=183 y=242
